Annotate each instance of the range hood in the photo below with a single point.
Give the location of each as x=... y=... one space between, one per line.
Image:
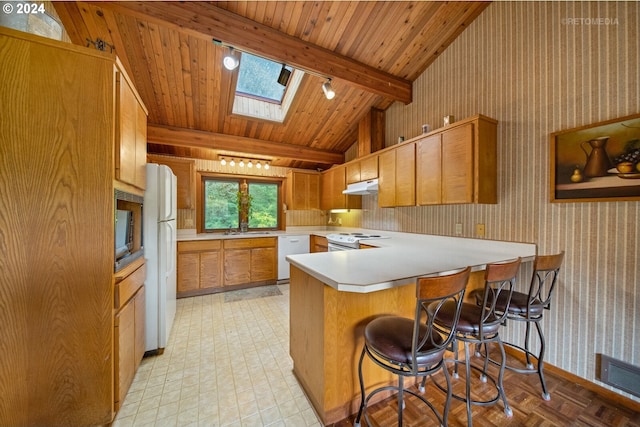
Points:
x=360 y=188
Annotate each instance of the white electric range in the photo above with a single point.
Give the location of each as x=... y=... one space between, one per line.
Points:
x=349 y=241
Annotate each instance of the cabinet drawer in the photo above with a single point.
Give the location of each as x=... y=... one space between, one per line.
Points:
x=262 y=242
x=129 y=286
x=199 y=245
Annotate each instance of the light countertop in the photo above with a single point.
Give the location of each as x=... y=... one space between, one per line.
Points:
x=401 y=258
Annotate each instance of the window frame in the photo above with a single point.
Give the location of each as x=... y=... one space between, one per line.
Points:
x=200 y=212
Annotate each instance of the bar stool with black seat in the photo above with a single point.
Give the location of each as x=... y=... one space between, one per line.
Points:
x=414 y=347
x=479 y=324
x=529 y=308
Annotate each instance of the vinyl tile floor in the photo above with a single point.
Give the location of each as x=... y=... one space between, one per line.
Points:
x=226 y=364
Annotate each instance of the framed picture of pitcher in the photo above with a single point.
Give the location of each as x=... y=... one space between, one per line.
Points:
x=597 y=163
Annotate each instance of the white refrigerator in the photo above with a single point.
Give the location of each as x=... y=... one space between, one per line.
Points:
x=160 y=209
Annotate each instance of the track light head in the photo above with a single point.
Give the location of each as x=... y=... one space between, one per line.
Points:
x=283 y=78
x=328 y=89
x=231 y=61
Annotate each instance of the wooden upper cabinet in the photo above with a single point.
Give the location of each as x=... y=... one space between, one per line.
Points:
x=429 y=171
x=369 y=168
x=397 y=177
x=303 y=190
x=458 y=164
x=362 y=170
x=185 y=172
x=332 y=183
x=131 y=133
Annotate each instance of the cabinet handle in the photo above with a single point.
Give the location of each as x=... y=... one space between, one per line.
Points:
x=294 y=240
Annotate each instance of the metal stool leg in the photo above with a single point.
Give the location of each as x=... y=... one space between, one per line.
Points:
x=507 y=409
x=357 y=421
x=545 y=392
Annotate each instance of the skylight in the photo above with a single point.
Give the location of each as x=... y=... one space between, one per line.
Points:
x=258 y=77
x=258 y=93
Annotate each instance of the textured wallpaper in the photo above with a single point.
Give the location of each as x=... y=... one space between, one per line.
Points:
x=541 y=67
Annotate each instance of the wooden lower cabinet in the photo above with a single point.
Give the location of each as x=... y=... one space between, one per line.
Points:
x=237 y=266
x=129 y=331
x=263 y=267
x=250 y=261
x=318 y=244
x=199 y=267
x=208 y=266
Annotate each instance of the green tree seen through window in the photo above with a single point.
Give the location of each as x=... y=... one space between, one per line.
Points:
x=220 y=207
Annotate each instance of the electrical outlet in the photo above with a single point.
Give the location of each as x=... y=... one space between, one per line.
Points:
x=458 y=229
x=480 y=230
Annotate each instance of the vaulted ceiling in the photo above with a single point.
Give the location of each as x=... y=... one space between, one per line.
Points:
x=372 y=50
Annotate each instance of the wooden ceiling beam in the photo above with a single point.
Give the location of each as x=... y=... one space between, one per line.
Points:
x=205 y=20
x=170 y=135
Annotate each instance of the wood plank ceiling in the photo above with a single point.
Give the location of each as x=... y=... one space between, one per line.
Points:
x=372 y=50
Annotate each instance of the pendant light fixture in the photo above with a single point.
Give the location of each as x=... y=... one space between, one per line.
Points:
x=328 y=89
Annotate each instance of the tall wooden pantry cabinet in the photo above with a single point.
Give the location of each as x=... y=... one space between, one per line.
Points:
x=58 y=124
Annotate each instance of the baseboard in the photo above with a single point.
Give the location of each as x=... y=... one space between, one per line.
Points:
x=589 y=385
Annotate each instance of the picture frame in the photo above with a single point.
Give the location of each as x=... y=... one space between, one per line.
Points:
x=599 y=162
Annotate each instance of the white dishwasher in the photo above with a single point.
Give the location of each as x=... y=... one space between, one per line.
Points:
x=290 y=245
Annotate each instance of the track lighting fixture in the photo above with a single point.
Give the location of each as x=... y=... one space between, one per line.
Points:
x=283 y=78
x=328 y=90
x=232 y=163
x=231 y=61
x=223 y=161
x=241 y=164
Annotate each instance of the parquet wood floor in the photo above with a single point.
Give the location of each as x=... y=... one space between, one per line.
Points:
x=570 y=405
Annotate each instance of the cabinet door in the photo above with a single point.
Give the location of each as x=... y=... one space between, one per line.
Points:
x=428 y=171
x=210 y=265
x=353 y=172
x=304 y=190
x=184 y=170
x=369 y=168
x=326 y=185
x=188 y=271
x=406 y=175
x=263 y=264
x=457 y=164
x=141 y=147
x=125 y=367
x=387 y=179
x=237 y=266
x=313 y=192
x=125 y=149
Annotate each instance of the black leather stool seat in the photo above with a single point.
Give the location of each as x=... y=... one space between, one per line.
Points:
x=518 y=304
x=469 y=319
x=391 y=337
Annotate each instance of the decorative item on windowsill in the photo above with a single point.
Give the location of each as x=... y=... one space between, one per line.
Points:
x=447 y=120
x=426 y=128
x=244 y=206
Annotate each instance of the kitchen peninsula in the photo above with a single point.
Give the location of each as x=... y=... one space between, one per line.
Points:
x=333 y=295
